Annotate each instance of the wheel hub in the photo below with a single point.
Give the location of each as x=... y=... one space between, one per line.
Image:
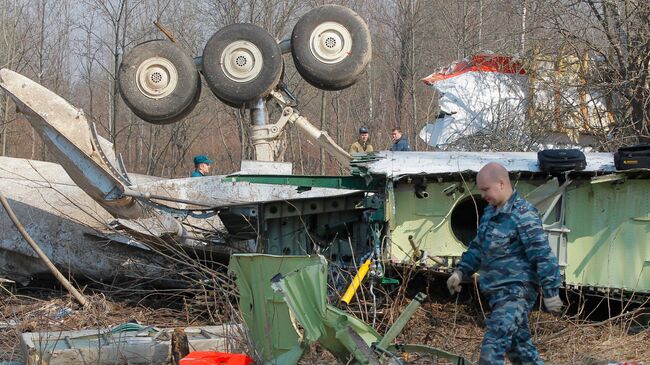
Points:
x=241 y=61
x=330 y=42
x=156 y=77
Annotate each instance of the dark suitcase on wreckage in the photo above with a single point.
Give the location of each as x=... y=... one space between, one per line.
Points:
x=561 y=160
x=634 y=157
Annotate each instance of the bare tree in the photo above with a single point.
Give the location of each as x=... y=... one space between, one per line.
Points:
x=13 y=46
x=616 y=35
x=49 y=57
x=109 y=30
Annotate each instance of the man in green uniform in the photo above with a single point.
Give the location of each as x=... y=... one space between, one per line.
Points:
x=362 y=145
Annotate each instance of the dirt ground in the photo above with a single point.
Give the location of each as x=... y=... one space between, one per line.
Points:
x=440 y=322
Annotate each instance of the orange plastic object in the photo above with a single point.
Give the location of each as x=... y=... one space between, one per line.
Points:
x=215 y=358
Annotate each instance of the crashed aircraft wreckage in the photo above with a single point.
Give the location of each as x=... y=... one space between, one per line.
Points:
x=283 y=302
x=149 y=212
x=396 y=207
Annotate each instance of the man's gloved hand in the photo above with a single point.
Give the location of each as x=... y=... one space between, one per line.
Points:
x=453 y=283
x=553 y=304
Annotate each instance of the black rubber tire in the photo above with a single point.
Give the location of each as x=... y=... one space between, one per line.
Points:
x=228 y=103
x=188 y=109
x=181 y=99
x=331 y=76
x=239 y=93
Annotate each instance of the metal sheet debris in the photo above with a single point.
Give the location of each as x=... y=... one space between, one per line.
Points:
x=396 y=164
x=129 y=343
x=283 y=300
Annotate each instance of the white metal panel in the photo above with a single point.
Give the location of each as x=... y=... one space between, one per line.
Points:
x=395 y=164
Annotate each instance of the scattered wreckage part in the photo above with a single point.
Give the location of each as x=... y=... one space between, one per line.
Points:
x=401 y=321
x=436 y=353
x=235 y=190
x=164 y=232
x=242 y=63
x=162 y=226
x=159 y=82
x=128 y=343
x=147 y=199
x=356 y=346
x=66 y=132
x=70 y=228
x=149 y=196
x=356 y=282
x=266 y=316
x=305 y=292
x=173 y=238
x=331 y=47
x=75 y=293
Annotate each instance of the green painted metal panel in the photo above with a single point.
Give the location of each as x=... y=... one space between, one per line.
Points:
x=609 y=242
x=335 y=182
x=268 y=321
x=305 y=291
x=428 y=220
x=348 y=338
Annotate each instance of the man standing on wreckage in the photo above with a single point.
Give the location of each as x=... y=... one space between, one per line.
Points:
x=513 y=257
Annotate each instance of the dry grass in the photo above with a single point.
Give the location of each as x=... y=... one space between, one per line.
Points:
x=30 y=314
x=459 y=329
x=440 y=322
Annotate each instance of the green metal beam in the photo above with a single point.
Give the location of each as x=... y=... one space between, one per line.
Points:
x=335 y=182
x=401 y=321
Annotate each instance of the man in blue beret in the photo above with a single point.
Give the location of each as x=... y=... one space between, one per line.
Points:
x=201 y=165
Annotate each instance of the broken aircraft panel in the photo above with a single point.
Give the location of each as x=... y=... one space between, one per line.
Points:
x=184 y=214
x=596 y=218
x=426 y=207
x=284 y=306
x=402 y=207
x=69 y=226
x=127 y=343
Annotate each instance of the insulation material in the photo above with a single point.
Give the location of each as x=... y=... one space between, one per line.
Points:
x=481 y=94
x=485 y=104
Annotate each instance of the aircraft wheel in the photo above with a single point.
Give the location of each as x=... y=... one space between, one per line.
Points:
x=159 y=82
x=242 y=63
x=331 y=47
